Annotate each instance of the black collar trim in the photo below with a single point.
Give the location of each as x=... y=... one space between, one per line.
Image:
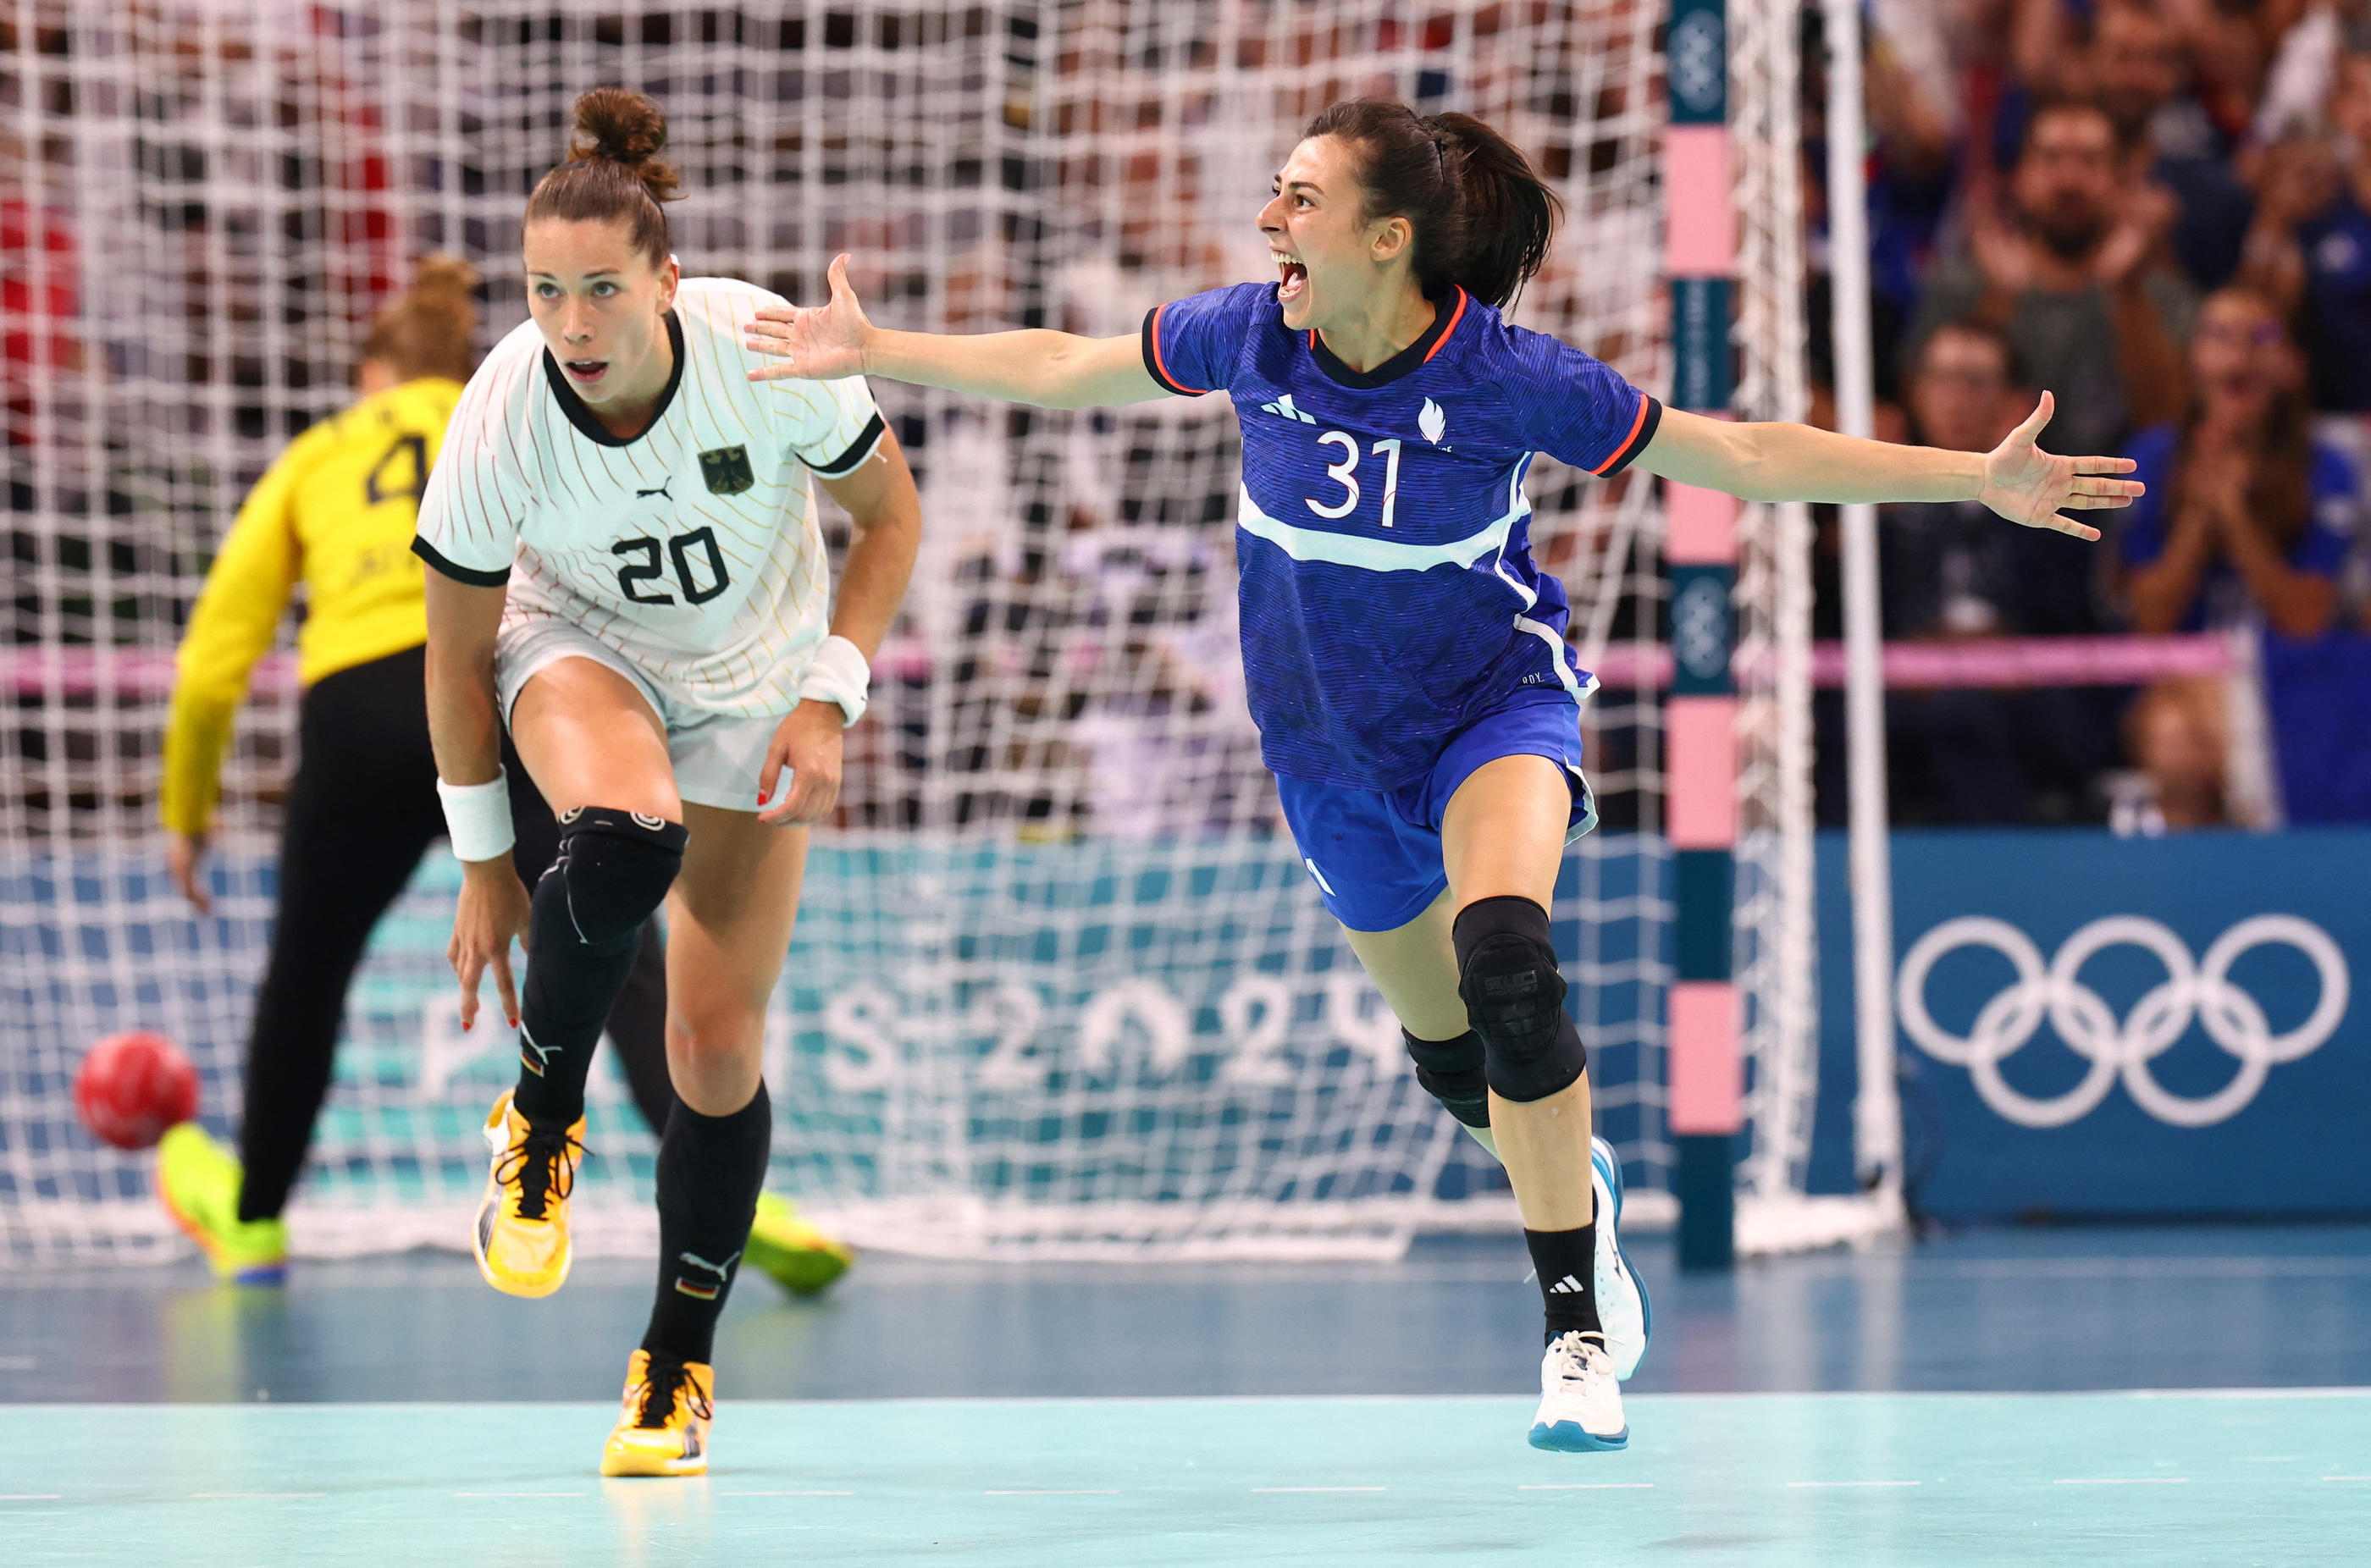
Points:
x=1446 y=313
x=583 y=418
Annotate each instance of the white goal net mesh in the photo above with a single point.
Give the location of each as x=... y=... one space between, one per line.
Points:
x=1060 y=986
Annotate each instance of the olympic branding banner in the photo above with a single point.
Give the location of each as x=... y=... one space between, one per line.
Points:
x=2094 y=1026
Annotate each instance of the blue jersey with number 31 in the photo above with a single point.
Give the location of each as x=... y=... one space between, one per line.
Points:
x=1389 y=598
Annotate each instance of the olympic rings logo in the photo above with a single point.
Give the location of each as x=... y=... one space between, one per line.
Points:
x=2200 y=991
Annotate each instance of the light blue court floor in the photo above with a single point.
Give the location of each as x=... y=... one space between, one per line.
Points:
x=1929 y=1478
x=1965 y=1401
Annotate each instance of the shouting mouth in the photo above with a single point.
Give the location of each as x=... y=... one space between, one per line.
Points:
x=1293 y=280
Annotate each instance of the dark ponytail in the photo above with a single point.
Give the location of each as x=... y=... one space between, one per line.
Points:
x=1482 y=216
x=614 y=171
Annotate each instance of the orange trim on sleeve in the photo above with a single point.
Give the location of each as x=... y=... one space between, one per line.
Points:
x=1160 y=363
x=1458 y=315
x=1623 y=445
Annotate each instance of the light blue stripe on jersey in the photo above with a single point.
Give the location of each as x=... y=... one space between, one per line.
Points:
x=1577 y=688
x=1370 y=554
x=1388 y=555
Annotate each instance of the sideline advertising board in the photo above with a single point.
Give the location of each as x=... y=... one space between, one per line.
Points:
x=2090 y=1026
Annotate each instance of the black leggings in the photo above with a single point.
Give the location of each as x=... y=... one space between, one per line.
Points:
x=361 y=813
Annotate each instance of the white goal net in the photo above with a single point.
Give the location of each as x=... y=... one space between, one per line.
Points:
x=1060 y=986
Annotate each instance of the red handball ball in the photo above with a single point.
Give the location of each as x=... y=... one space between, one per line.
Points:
x=132 y=1085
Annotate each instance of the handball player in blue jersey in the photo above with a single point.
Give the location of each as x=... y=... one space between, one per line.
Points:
x=1405 y=659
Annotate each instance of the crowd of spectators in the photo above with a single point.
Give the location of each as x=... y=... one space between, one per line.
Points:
x=2160 y=211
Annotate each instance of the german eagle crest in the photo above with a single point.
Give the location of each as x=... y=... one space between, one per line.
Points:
x=726 y=469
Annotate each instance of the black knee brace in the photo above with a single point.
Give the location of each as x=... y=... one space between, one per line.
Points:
x=582 y=930
x=614 y=870
x=1507 y=973
x=1450 y=1071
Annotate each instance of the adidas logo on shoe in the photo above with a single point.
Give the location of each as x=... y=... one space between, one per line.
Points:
x=1283 y=408
x=1567 y=1286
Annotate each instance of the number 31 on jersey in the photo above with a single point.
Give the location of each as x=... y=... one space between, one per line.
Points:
x=1346 y=474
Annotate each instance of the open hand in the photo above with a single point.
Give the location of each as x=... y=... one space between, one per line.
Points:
x=491 y=914
x=2027 y=485
x=2145 y=217
x=807 y=743
x=2003 y=256
x=185 y=856
x=822 y=343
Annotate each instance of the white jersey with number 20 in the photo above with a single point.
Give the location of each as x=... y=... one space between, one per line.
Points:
x=691 y=549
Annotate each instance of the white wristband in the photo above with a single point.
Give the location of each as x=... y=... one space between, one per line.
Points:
x=478 y=816
x=838 y=674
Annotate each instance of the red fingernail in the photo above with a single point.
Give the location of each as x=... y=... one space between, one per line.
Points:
x=467 y=1024
x=763 y=796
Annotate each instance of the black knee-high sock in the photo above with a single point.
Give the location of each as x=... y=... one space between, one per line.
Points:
x=637 y=1027
x=614 y=869
x=710 y=1169
x=1567 y=1262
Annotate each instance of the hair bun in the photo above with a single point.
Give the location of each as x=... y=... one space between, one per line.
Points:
x=618 y=125
x=621 y=127
x=443 y=271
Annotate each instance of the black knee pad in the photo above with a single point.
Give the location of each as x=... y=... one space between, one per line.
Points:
x=613 y=870
x=1507 y=973
x=1450 y=1071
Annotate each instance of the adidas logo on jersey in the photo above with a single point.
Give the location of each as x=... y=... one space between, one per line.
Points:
x=1283 y=407
x=1567 y=1286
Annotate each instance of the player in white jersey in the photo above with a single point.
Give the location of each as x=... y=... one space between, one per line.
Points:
x=628 y=572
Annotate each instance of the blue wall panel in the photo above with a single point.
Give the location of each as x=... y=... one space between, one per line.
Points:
x=2143 y=1112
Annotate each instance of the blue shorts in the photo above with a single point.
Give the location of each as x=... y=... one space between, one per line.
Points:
x=1376 y=853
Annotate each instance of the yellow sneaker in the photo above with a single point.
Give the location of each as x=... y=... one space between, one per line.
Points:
x=664 y=1429
x=786 y=1245
x=199 y=1181
x=521 y=1236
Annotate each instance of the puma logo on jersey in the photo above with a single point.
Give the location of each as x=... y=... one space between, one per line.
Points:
x=1431 y=421
x=660 y=488
x=1283 y=408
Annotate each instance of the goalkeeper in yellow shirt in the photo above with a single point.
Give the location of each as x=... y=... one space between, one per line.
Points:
x=337 y=512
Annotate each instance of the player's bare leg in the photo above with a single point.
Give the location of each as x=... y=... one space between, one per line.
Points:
x=729 y=920
x=729 y=923
x=1503 y=836
x=1502 y=840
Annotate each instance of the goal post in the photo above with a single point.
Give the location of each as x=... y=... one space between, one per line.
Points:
x=1060 y=986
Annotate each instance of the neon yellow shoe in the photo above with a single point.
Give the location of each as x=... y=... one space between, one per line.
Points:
x=664 y=1429
x=199 y=1181
x=787 y=1245
x=521 y=1237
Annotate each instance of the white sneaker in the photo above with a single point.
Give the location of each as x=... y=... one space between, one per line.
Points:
x=1580 y=1402
x=1622 y=1309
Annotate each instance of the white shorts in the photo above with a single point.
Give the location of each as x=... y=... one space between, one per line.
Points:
x=718 y=758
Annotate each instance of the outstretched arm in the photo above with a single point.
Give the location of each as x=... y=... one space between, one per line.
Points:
x=1051 y=370
x=1793 y=462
